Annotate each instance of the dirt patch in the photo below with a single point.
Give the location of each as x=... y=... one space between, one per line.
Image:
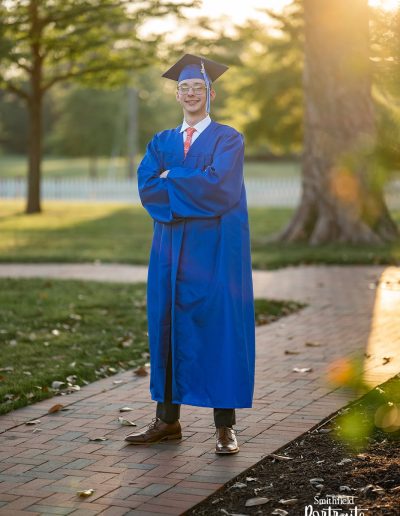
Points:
x=324 y=476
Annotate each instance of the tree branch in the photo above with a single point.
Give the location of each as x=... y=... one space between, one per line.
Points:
x=19 y=64
x=14 y=89
x=80 y=73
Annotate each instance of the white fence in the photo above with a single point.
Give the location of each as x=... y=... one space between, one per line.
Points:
x=283 y=192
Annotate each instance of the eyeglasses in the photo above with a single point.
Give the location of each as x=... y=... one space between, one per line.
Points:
x=198 y=90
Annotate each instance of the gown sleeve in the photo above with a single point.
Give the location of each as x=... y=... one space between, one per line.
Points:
x=211 y=192
x=153 y=191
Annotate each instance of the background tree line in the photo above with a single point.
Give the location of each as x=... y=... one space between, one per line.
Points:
x=296 y=90
x=262 y=95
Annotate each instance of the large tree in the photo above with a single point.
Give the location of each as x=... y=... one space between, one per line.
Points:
x=342 y=198
x=44 y=42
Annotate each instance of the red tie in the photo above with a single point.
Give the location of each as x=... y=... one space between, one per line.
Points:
x=188 y=141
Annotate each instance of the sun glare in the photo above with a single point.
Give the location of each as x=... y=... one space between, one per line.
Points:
x=388 y=5
x=236 y=13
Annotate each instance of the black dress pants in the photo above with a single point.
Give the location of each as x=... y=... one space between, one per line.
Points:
x=170 y=412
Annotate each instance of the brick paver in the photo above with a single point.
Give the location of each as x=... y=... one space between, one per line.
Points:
x=352 y=311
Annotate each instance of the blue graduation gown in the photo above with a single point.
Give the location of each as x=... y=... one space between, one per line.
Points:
x=199 y=289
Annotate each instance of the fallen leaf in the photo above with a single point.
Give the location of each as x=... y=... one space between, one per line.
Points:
x=345 y=489
x=85 y=492
x=386 y=360
x=316 y=481
x=251 y=479
x=141 y=371
x=217 y=500
x=36 y=430
x=238 y=485
x=289 y=501
x=125 y=409
x=73 y=388
x=324 y=430
x=259 y=489
x=126 y=343
x=251 y=502
x=126 y=422
x=290 y=352
x=224 y=511
x=280 y=457
x=71 y=378
x=279 y=512
x=302 y=369
x=117 y=382
x=33 y=422
x=97 y=439
x=57 y=385
x=8 y=369
x=313 y=344
x=395 y=489
x=343 y=461
x=55 y=408
x=112 y=370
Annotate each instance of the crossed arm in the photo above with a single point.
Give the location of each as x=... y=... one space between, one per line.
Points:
x=182 y=192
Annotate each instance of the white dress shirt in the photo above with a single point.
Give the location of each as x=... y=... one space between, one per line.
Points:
x=200 y=126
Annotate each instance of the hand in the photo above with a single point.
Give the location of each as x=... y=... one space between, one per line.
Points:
x=164 y=174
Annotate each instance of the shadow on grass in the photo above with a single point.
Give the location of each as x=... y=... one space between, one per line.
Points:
x=75 y=232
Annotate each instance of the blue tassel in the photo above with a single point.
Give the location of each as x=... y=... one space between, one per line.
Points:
x=206 y=80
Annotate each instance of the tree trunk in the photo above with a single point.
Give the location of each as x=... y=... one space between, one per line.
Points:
x=35 y=156
x=341 y=201
x=35 y=115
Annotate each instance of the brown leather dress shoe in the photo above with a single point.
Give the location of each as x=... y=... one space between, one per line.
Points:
x=226 y=441
x=156 y=431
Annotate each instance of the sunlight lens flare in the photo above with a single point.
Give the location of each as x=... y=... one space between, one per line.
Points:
x=387 y=5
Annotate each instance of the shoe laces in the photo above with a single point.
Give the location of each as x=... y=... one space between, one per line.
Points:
x=153 y=423
x=225 y=430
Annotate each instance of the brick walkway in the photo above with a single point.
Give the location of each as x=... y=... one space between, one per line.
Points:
x=351 y=310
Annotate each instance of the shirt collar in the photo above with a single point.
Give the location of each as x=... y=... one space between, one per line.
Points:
x=200 y=126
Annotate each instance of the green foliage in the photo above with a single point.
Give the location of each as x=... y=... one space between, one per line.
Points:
x=385 y=62
x=378 y=411
x=91 y=41
x=88 y=122
x=265 y=93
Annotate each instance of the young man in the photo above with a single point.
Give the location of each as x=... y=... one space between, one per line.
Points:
x=199 y=292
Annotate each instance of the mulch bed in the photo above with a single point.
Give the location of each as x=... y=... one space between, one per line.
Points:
x=366 y=476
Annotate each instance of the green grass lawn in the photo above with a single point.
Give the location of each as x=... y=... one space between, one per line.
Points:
x=86 y=232
x=13 y=166
x=50 y=330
